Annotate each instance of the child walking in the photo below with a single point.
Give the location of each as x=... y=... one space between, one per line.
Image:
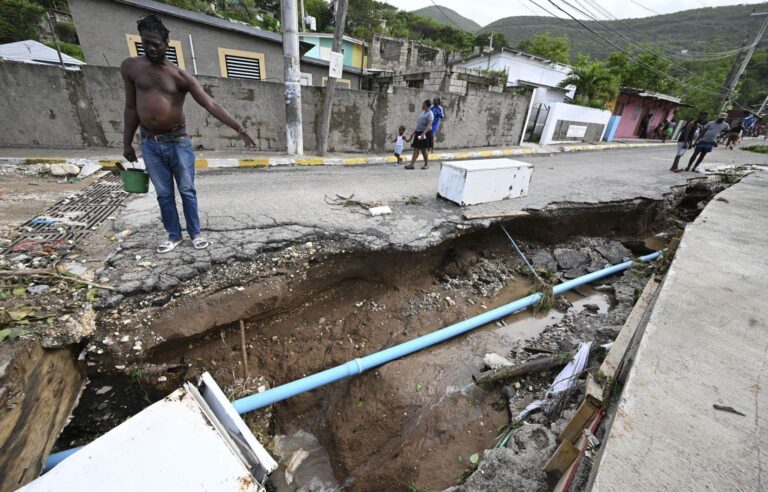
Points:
x=400 y=143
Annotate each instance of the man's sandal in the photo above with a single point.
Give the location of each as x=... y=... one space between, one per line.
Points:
x=167 y=246
x=200 y=243
x=409 y=166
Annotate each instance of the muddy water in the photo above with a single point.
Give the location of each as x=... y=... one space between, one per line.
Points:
x=415 y=421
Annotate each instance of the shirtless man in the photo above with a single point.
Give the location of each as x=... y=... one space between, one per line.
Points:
x=155 y=89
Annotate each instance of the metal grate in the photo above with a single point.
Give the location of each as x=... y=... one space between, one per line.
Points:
x=241 y=67
x=72 y=219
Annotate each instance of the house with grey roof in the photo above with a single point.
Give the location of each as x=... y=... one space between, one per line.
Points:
x=200 y=43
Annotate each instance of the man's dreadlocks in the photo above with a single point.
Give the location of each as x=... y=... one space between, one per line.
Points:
x=152 y=23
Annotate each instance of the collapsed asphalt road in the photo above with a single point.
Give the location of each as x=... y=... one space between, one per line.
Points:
x=247 y=212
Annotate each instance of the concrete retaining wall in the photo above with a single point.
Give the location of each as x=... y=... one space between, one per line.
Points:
x=563 y=119
x=55 y=108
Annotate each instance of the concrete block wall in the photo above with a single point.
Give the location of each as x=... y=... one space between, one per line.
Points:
x=57 y=108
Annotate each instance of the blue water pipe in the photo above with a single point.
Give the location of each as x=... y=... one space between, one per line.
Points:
x=357 y=366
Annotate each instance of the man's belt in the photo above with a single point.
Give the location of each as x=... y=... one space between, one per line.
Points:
x=174 y=135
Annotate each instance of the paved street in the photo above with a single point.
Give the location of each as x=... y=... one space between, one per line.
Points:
x=244 y=212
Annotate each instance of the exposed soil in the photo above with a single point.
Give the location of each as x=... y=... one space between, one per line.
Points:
x=415 y=422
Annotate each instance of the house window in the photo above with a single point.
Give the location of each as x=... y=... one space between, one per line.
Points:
x=174 y=53
x=237 y=64
x=416 y=84
x=347 y=84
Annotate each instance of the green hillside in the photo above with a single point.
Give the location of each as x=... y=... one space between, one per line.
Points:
x=450 y=17
x=699 y=30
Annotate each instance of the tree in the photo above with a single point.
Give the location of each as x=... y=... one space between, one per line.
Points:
x=322 y=12
x=19 y=20
x=650 y=70
x=499 y=40
x=66 y=32
x=595 y=85
x=544 y=45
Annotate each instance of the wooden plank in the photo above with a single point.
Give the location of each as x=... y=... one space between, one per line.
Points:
x=565 y=454
x=611 y=366
x=565 y=479
x=497 y=215
x=594 y=393
x=536 y=365
x=585 y=413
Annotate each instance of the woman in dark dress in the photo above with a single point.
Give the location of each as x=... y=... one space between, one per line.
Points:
x=422 y=136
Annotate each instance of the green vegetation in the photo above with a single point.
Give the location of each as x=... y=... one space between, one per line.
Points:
x=595 y=84
x=760 y=149
x=450 y=17
x=483 y=39
x=544 y=45
x=73 y=50
x=66 y=32
x=646 y=71
x=19 y=20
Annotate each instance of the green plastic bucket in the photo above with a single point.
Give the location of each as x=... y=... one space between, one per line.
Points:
x=135 y=181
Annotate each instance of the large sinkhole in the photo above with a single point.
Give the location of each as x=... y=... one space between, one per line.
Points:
x=414 y=422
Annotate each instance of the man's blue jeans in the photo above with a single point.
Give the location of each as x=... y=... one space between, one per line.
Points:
x=165 y=163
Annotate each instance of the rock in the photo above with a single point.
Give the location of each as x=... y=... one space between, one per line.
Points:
x=128 y=288
x=38 y=289
x=543 y=259
x=517 y=464
x=495 y=361
x=610 y=332
x=64 y=169
x=182 y=272
x=569 y=258
x=614 y=252
x=592 y=307
x=221 y=255
x=166 y=282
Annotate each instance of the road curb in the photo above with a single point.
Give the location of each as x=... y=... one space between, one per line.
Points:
x=214 y=163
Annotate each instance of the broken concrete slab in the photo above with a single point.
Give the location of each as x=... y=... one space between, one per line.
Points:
x=569 y=259
x=614 y=252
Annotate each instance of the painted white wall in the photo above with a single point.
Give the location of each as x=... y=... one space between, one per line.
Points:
x=572 y=112
x=524 y=69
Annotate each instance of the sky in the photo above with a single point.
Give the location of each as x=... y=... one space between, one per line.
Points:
x=486 y=11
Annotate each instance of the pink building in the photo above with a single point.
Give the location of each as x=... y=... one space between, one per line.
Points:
x=634 y=105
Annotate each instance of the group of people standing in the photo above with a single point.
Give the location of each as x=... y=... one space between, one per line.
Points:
x=701 y=135
x=422 y=138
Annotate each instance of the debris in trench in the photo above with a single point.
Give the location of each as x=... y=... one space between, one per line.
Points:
x=413 y=200
x=724 y=408
x=383 y=210
x=348 y=201
x=532 y=366
x=495 y=361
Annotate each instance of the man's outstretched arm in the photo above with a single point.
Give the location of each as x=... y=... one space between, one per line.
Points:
x=130 y=115
x=221 y=114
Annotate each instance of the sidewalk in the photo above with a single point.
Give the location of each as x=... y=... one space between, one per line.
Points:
x=228 y=159
x=706 y=344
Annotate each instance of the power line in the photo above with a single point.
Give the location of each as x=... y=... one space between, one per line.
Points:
x=612 y=18
x=637 y=46
x=446 y=16
x=646 y=8
x=631 y=55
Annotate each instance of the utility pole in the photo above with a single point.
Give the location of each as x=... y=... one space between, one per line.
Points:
x=735 y=80
x=55 y=38
x=762 y=106
x=330 y=86
x=302 y=26
x=490 y=48
x=293 y=130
